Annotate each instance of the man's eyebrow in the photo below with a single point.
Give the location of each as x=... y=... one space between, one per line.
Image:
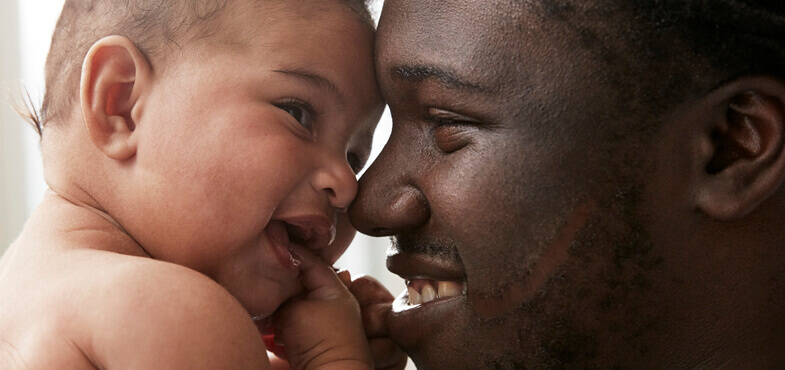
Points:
x=445 y=76
x=314 y=80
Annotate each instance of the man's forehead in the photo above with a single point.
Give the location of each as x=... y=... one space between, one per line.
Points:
x=509 y=47
x=452 y=19
x=463 y=42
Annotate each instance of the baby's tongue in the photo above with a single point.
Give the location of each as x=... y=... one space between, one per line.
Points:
x=280 y=237
x=277 y=231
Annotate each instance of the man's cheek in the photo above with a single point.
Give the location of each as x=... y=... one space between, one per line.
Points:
x=501 y=286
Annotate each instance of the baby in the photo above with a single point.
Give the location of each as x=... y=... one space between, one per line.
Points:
x=200 y=156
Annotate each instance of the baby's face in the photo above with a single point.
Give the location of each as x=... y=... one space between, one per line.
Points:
x=249 y=147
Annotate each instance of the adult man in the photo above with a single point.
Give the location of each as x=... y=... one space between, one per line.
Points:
x=593 y=183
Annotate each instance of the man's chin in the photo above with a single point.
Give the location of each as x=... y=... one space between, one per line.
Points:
x=428 y=332
x=448 y=334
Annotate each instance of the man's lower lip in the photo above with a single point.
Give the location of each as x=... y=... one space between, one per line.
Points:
x=409 y=324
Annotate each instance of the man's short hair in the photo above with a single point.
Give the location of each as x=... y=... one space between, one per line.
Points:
x=726 y=39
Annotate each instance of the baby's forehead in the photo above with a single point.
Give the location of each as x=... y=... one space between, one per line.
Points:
x=248 y=19
x=240 y=24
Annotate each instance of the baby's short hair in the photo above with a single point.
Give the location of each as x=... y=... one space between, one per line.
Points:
x=155 y=26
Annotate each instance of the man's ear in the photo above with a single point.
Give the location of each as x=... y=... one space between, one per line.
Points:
x=744 y=152
x=114 y=75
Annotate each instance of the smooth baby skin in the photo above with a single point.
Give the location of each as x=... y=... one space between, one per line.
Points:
x=182 y=194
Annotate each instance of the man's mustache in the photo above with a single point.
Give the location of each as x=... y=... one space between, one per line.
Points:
x=413 y=245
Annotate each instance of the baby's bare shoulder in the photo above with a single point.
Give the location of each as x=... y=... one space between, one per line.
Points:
x=149 y=313
x=99 y=309
x=122 y=282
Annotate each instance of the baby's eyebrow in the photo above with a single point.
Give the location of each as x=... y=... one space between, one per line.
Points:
x=314 y=80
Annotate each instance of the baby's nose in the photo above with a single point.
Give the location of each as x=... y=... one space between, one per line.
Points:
x=338 y=182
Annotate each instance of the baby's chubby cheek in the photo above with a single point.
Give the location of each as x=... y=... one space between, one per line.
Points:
x=344 y=235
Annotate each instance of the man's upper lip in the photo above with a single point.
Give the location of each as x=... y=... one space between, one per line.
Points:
x=314 y=232
x=421 y=266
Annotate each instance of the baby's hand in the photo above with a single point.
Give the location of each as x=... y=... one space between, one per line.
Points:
x=376 y=304
x=323 y=330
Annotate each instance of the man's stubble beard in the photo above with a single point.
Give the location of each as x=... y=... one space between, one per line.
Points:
x=604 y=282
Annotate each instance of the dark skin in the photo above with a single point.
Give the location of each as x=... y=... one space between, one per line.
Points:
x=587 y=225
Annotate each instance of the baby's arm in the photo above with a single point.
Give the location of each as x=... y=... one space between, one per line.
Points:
x=324 y=329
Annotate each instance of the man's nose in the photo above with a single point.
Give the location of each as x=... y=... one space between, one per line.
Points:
x=389 y=200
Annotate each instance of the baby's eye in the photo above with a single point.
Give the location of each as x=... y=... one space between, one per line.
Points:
x=300 y=111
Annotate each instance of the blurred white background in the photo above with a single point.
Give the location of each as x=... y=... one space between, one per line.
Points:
x=25 y=31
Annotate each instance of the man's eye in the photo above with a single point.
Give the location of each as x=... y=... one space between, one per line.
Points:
x=450 y=139
x=451 y=131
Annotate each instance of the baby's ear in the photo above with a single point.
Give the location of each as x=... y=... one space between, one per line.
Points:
x=743 y=160
x=114 y=75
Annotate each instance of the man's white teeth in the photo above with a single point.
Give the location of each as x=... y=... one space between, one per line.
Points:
x=449 y=289
x=428 y=293
x=414 y=297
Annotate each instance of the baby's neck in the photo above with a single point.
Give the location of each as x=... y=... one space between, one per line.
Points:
x=70 y=224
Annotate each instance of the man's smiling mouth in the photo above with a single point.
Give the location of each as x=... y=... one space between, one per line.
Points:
x=432 y=275
x=422 y=291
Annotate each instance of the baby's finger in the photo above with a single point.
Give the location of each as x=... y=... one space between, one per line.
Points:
x=318 y=279
x=368 y=290
x=387 y=355
x=375 y=319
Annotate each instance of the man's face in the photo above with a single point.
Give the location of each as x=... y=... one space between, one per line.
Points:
x=502 y=187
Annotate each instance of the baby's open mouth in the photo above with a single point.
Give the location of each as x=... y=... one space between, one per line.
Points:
x=281 y=243
x=313 y=232
x=421 y=291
